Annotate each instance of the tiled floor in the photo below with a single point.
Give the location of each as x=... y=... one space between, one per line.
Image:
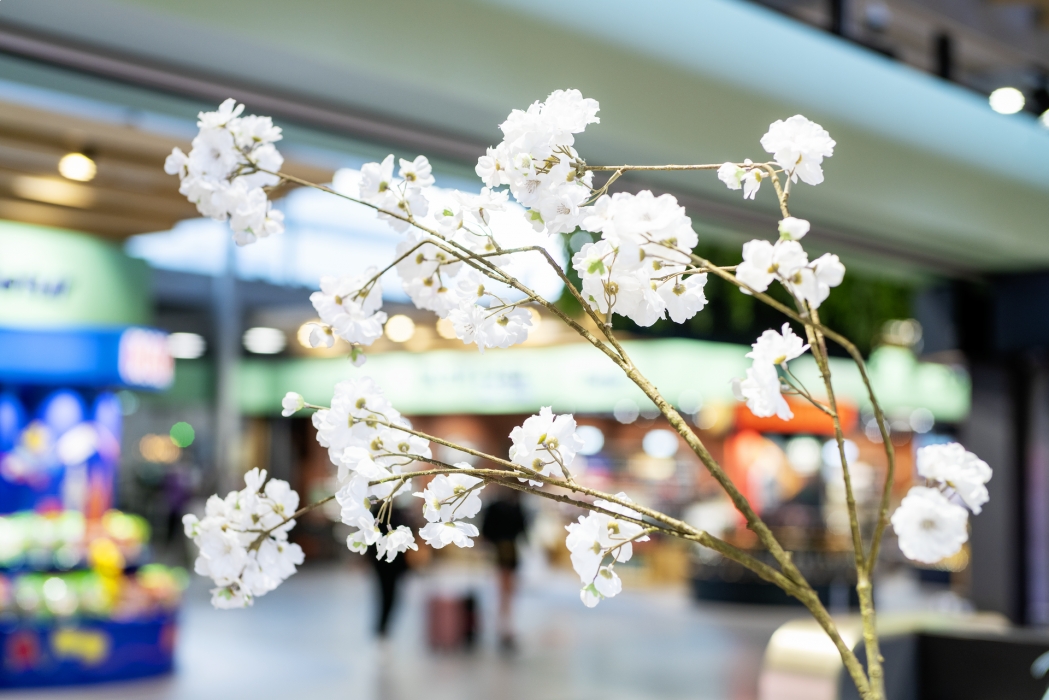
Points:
x=311 y=639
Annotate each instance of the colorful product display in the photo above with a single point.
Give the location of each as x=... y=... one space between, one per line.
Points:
x=77 y=603
x=79 y=600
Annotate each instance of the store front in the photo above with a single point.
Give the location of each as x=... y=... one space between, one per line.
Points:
x=80 y=599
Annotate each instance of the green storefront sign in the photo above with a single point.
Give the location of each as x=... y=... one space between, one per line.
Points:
x=54 y=278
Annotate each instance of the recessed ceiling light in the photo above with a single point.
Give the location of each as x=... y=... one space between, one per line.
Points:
x=53 y=191
x=186 y=346
x=77 y=166
x=264 y=341
x=400 y=328
x=1007 y=100
x=445 y=329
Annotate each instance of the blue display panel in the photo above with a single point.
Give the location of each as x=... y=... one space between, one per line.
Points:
x=59 y=450
x=119 y=357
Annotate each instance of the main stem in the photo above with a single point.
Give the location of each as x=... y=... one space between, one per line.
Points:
x=864 y=589
x=791 y=580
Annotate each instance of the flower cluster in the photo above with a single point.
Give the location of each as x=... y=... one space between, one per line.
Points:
x=638 y=269
x=536 y=159
x=399 y=200
x=243 y=540
x=447 y=500
x=225 y=172
x=798 y=146
x=762 y=389
x=929 y=524
x=546 y=444
x=349 y=309
x=595 y=538
x=367 y=440
x=453 y=226
x=788 y=263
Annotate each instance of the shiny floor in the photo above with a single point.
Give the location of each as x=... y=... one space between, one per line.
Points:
x=312 y=638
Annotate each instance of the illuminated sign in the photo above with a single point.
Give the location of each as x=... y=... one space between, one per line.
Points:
x=53 y=278
x=143 y=358
x=131 y=357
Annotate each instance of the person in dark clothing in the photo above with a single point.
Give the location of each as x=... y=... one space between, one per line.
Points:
x=389 y=575
x=502 y=523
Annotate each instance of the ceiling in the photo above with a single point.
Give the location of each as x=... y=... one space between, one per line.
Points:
x=130 y=193
x=925 y=177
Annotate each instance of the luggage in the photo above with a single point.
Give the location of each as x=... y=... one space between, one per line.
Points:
x=452 y=622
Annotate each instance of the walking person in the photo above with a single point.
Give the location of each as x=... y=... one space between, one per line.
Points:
x=388 y=575
x=502 y=524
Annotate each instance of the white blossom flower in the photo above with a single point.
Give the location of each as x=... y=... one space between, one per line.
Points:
x=684 y=297
x=764 y=262
x=606 y=584
x=226 y=113
x=242 y=540
x=399 y=540
x=291 y=404
x=952 y=465
x=353 y=499
x=599 y=535
x=793 y=228
x=177 y=163
x=480 y=206
x=376 y=182
x=545 y=443
x=813 y=282
x=439 y=535
x=358 y=410
x=349 y=307
x=489 y=328
x=799 y=147
x=232 y=159
x=536 y=159
x=761 y=388
x=732 y=175
x=777 y=348
x=492 y=167
x=451 y=497
x=417 y=174
x=584 y=545
x=752 y=182
x=636 y=268
x=761 y=391
x=507 y=327
x=928 y=526
x=359 y=541
x=321 y=335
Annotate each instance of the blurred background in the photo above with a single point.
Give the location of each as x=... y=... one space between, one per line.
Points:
x=143 y=357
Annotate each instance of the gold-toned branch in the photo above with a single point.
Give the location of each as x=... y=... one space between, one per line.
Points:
x=790 y=578
x=294 y=516
x=624 y=168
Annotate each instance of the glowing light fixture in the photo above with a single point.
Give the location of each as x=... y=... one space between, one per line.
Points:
x=1007 y=100
x=77 y=166
x=445 y=329
x=303 y=334
x=660 y=443
x=626 y=411
x=186 y=346
x=264 y=341
x=158 y=449
x=922 y=420
x=400 y=328
x=53 y=191
x=593 y=439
